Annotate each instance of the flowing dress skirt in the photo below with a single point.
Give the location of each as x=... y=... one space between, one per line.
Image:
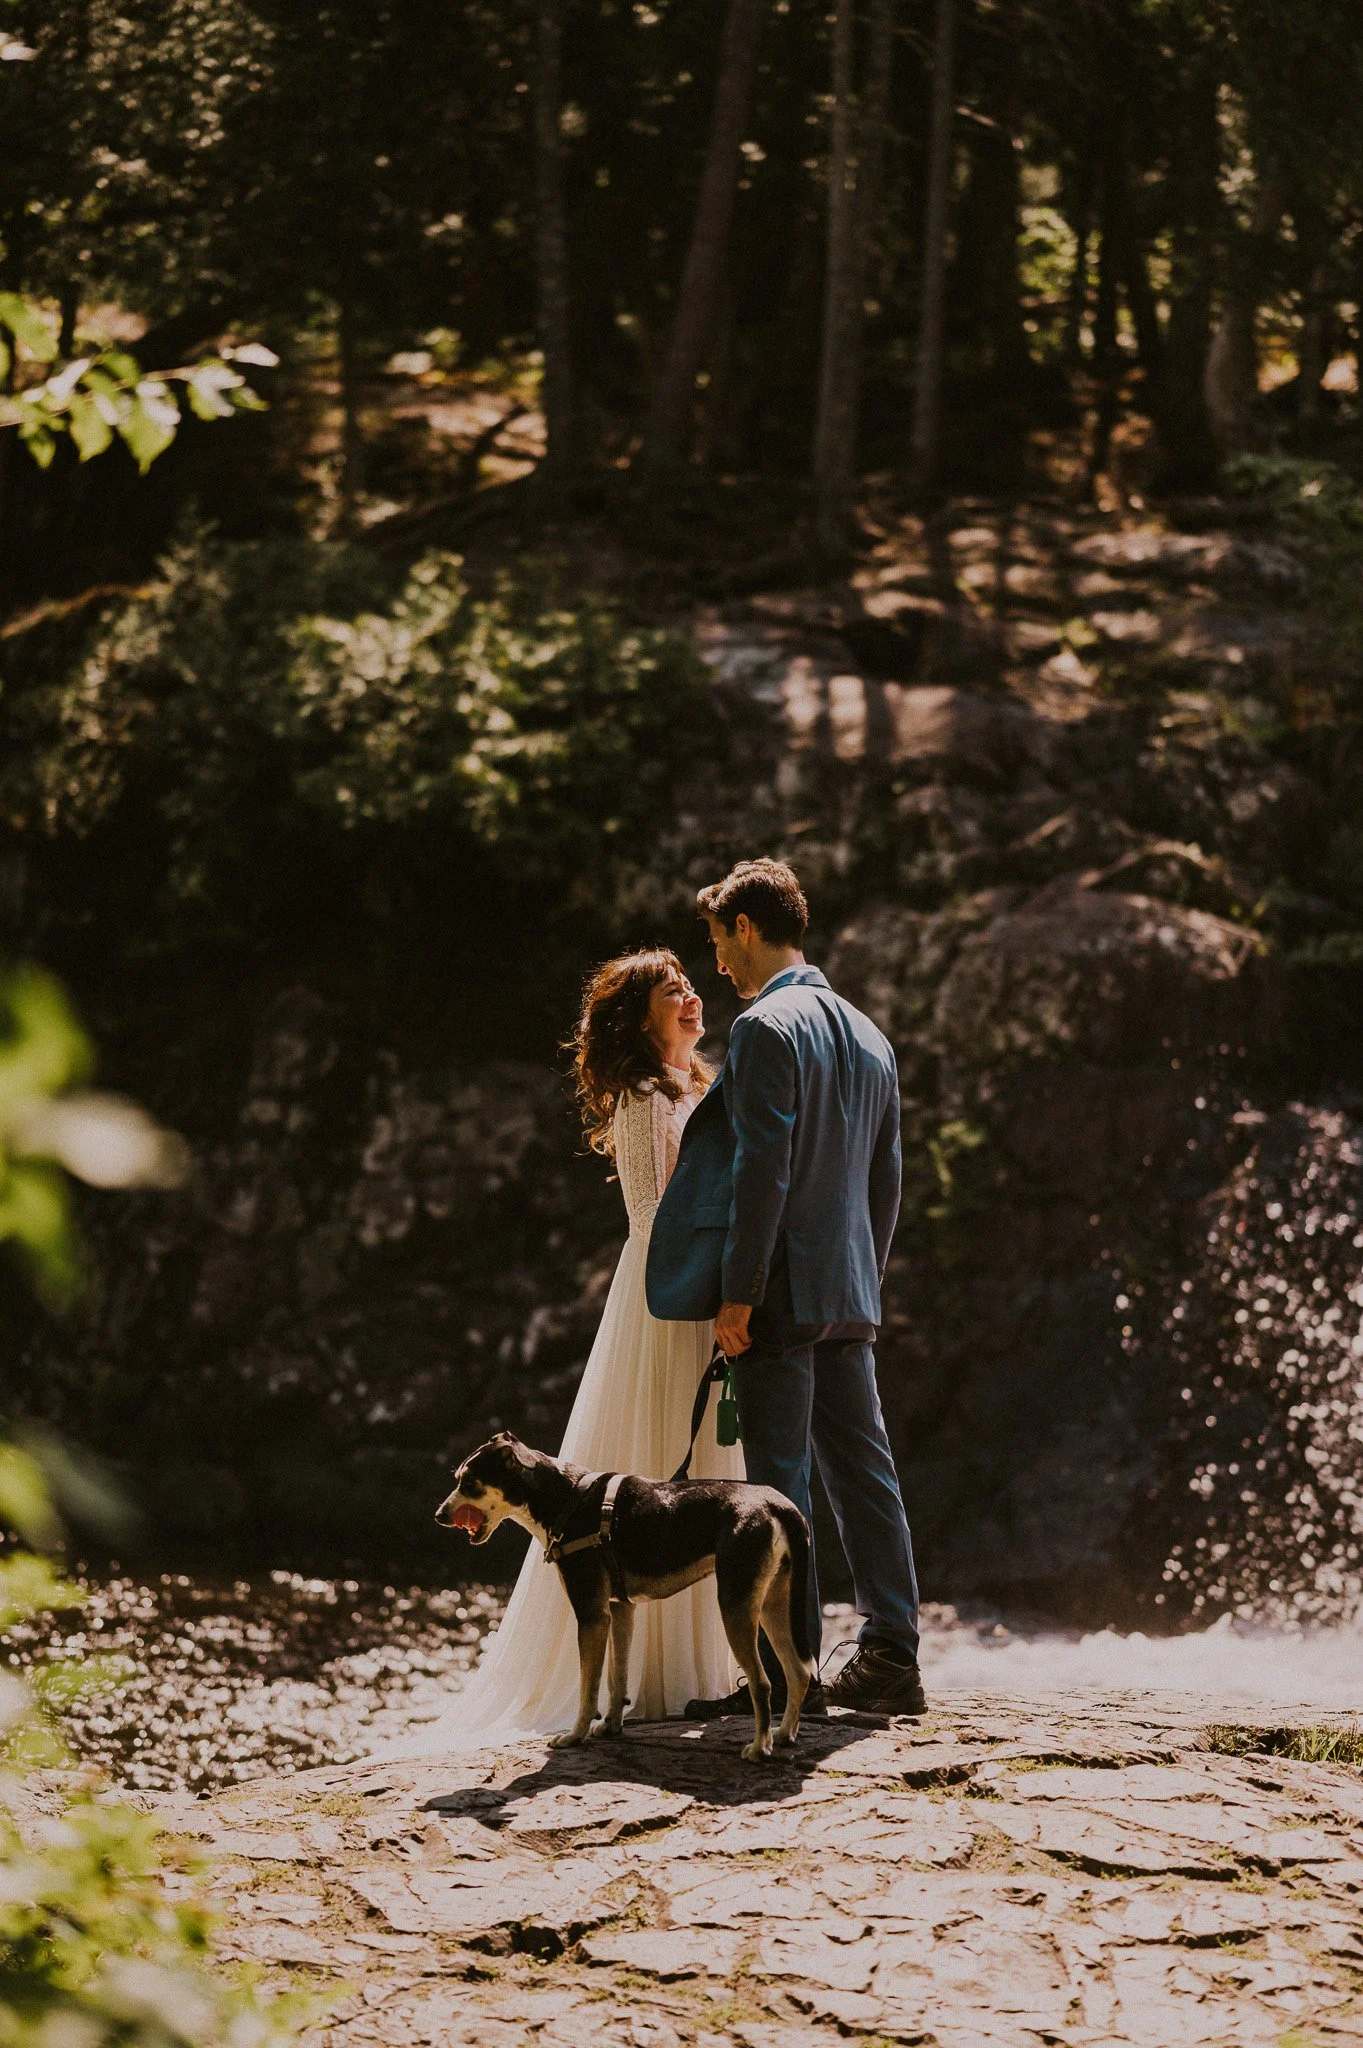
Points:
x=632 y=1414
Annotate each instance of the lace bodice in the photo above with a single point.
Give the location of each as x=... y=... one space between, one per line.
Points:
x=648 y=1130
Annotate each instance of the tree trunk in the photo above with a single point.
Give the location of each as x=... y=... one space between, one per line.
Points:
x=1140 y=300
x=1317 y=314
x=1231 y=377
x=927 y=398
x=1081 y=220
x=1187 y=447
x=70 y=314
x=713 y=431
x=856 y=174
x=1106 y=356
x=352 y=440
x=551 y=252
x=1313 y=352
x=667 y=431
x=832 y=423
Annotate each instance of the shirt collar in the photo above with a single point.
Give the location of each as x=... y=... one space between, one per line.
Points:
x=784 y=975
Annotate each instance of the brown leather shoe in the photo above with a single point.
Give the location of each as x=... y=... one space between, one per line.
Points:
x=878 y=1680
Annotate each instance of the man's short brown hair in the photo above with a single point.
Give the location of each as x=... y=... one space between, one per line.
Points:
x=767 y=892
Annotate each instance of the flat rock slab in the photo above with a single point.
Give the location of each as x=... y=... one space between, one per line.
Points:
x=1076 y=1867
x=603 y=1811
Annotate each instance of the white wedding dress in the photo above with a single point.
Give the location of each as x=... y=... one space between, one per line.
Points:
x=632 y=1414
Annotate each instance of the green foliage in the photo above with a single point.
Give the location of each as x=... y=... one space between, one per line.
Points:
x=1047 y=252
x=950 y=1150
x=284 y=709
x=947 y=1174
x=1319 y=499
x=92 y=1949
x=97 y=397
x=42 y=1052
x=24 y=1501
x=1315 y=1743
x=50 y=1127
x=1320 y=508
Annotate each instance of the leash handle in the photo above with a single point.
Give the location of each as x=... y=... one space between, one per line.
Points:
x=714 y=1372
x=727 y=1431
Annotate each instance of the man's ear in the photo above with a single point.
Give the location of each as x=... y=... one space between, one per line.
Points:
x=743 y=928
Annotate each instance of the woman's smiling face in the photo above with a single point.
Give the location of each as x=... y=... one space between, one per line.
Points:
x=676 y=1019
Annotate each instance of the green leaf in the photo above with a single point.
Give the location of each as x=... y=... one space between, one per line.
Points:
x=42 y=1047
x=39 y=440
x=29 y=1586
x=90 y=430
x=28 y=327
x=35 y=1211
x=148 y=429
x=101 y=380
x=206 y=402
x=26 y=1505
x=122 y=367
x=56 y=392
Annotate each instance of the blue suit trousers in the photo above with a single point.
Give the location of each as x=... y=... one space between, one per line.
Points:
x=806 y=1394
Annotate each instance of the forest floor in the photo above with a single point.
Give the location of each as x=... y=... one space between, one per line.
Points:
x=1087 y=1867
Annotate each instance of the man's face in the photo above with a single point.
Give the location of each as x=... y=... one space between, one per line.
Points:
x=734 y=953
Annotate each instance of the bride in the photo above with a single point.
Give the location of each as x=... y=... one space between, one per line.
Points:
x=638 y=1079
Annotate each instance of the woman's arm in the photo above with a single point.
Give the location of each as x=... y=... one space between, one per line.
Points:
x=642 y=1127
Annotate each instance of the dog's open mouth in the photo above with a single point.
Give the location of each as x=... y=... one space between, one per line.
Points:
x=469 y=1518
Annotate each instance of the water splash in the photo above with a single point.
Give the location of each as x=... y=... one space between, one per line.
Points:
x=1321 y=1669
x=1262 y=1483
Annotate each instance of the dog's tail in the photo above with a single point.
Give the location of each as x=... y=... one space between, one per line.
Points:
x=796 y=1531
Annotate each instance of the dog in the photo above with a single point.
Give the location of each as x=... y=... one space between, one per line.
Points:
x=616 y=1539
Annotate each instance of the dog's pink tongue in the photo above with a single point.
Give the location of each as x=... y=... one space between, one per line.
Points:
x=469 y=1518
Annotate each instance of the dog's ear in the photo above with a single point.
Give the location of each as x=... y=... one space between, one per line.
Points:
x=519 y=1454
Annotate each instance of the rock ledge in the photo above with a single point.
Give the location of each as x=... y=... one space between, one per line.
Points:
x=1074 y=1867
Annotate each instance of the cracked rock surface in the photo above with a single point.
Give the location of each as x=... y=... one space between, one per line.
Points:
x=1004 y=1873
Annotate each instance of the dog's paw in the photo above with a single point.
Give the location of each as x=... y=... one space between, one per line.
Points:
x=784 y=1738
x=758 y=1752
x=569 y=1739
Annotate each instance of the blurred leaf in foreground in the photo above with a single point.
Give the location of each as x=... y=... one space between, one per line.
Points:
x=51 y=1127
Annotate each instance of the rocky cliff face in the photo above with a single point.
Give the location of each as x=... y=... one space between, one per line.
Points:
x=1042 y=780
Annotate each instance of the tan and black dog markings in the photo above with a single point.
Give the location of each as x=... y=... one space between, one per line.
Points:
x=661 y=1535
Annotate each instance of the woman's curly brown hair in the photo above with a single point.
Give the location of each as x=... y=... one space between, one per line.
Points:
x=611 y=1050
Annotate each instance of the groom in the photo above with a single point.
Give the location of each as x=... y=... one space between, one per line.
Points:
x=777 y=1221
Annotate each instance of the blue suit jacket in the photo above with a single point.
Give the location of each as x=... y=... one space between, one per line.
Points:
x=795 y=1145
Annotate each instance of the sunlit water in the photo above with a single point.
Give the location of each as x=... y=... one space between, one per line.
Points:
x=226 y=1681
x=1321 y=1669
x=220 y=1681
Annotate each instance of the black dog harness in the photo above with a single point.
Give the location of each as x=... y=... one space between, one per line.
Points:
x=600 y=1539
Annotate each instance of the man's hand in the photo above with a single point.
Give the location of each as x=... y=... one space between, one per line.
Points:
x=731 y=1328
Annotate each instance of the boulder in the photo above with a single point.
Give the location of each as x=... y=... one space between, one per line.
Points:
x=1184 y=557
x=1113 y=978
x=959 y=734
x=888 y=629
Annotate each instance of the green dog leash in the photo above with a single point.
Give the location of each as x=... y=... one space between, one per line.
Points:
x=719 y=1372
